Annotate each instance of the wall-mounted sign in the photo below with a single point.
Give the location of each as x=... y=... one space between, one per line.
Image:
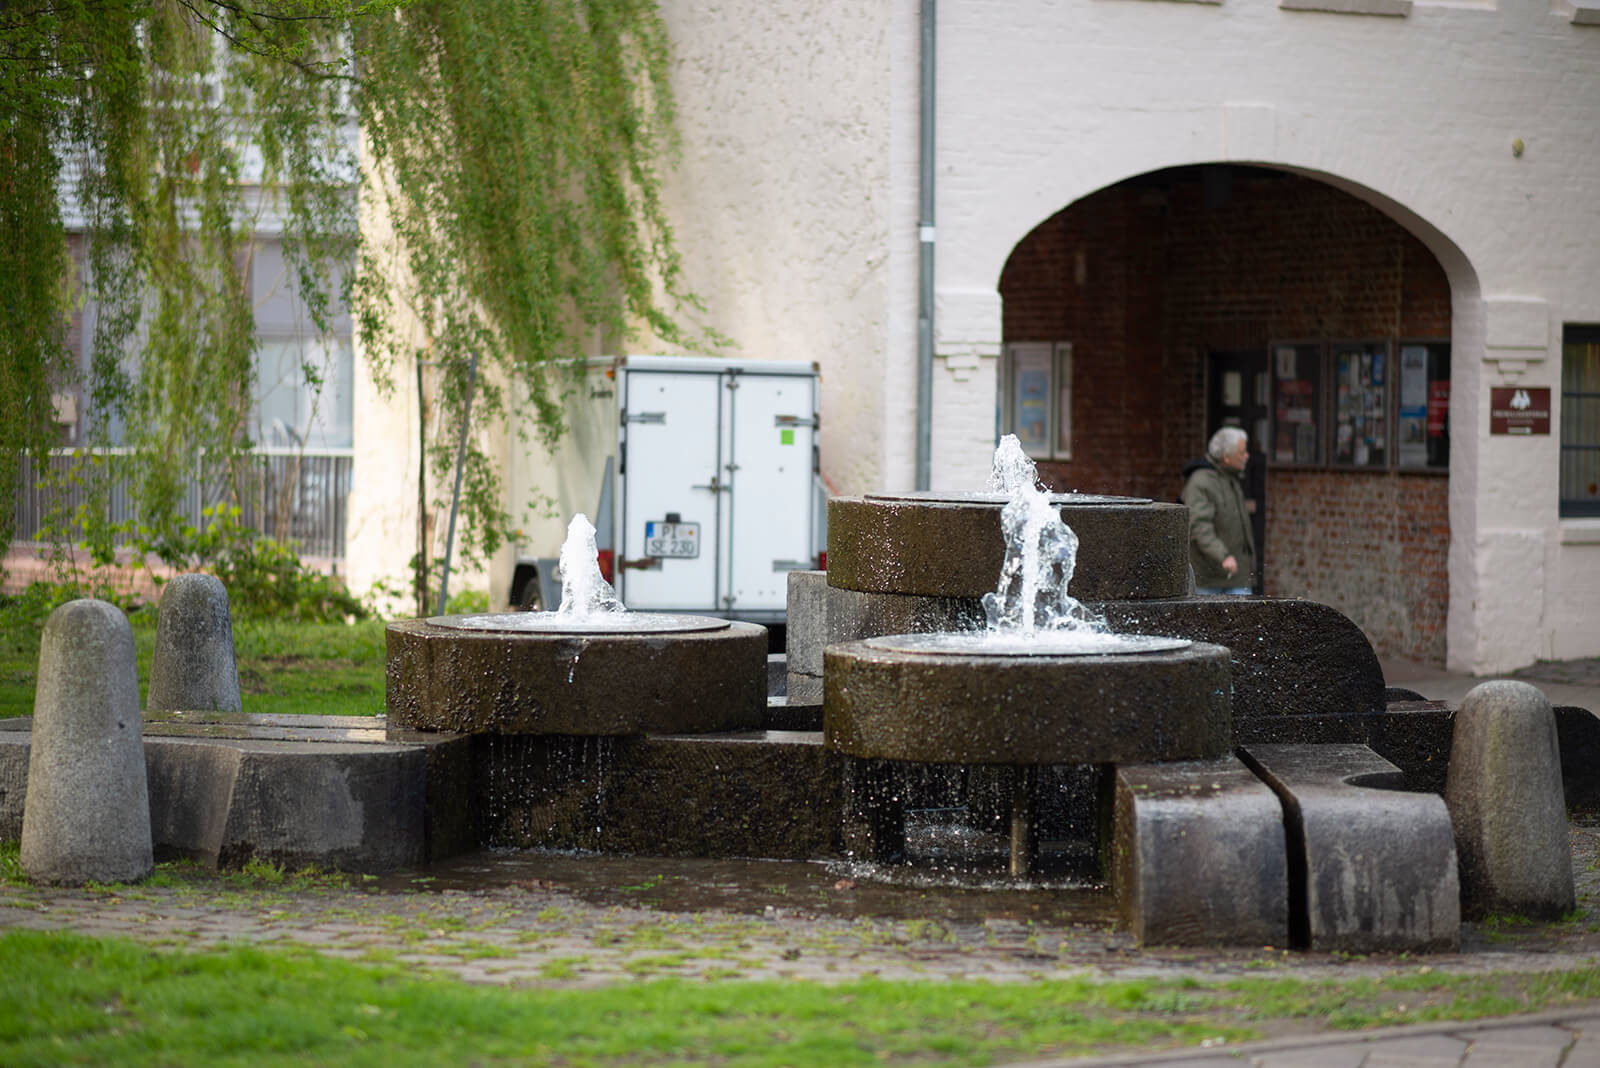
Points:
x=1519 y=410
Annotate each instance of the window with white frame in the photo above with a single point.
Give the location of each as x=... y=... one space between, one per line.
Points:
x=305 y=381
x=1036 y=397
x=1580 y=421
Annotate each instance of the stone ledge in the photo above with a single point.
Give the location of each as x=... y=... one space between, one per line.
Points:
x=1392 y=8
x=334 y=792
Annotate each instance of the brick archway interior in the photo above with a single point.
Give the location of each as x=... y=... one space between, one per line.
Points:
x=1146 y=277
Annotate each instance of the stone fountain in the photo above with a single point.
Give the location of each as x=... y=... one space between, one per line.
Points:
x=1235 y=766
x=588 y=669
x=1045 y=681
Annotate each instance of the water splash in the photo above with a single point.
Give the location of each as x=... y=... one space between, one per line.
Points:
x=584 y=591
x=1041 y=554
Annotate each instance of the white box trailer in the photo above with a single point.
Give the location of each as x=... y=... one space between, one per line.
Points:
x=710 y=493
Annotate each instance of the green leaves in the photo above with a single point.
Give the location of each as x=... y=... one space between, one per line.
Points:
x=516 y=148
x=512 y=155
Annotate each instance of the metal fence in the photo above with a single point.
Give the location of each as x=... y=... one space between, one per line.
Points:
x=287 y=494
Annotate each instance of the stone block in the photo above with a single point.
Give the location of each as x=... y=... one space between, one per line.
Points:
x=1578 y=731
x=777 y=674
x=15 y=737
x=329 y=791
x=794 y=714
x=1372 y=868
x=804 y=689
x=772 y=794
x=1289 y=656
x=854 y=615
x=1197 y=855
x=1507 y=803
x=1413 y=735
x=806 y=619
x=193 y=666
x=224 y=793
x=86 y=813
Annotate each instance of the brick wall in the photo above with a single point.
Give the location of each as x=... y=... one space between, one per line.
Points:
x=1146 y=277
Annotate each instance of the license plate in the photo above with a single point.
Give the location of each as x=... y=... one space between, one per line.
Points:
x=671 y=539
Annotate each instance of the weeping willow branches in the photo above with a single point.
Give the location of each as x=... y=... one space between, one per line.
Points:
x=513 y=150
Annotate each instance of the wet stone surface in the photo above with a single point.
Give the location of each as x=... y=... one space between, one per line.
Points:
x=482 y=681
x=551 y=919
x=952 y=709
x=956 y=549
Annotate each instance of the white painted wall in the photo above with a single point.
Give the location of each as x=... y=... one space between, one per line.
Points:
x=782 y=199
x=1045 y=103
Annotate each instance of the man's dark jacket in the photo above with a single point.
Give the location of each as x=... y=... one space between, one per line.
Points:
x=1219 y=524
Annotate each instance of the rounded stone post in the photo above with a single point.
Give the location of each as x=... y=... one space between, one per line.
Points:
x=1507 y=806
x=86 y=814
x=193 y=669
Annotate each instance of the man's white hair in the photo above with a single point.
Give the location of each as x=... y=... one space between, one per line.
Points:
x=1224 y=440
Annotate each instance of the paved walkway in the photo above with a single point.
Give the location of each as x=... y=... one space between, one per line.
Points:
x=1543 y=1040
x=1564 y=682
x=576 y=921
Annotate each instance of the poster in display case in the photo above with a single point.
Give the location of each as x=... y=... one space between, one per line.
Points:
x=1361 y=403
x=1296 y=403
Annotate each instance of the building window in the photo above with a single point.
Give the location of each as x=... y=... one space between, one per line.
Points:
x=1373 y=405
x=1036 y=397
x=1580 y=421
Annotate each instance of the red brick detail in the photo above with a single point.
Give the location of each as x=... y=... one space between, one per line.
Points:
x=1146 y=277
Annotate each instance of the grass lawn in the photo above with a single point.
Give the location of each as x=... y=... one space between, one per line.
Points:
x=327 y=669
x=78 y=1000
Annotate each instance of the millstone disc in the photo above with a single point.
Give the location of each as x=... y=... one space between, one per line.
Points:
x=954 y=547
x=960 y=708
x=1049 y=643
x=539 y=682
x=597 y=623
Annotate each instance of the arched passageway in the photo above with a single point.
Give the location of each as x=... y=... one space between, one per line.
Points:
x=1139 y=318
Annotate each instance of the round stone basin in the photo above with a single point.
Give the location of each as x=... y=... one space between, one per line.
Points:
x=513 y=673
x=976 y=497
x=951 y=545
x=893 y=699
x=1048 y=643
x=595 y=623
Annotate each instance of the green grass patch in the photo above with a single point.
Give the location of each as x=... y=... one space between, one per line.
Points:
x=78 y=1000
x=325 y=669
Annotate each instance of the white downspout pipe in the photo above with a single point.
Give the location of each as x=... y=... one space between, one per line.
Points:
x=925 y=238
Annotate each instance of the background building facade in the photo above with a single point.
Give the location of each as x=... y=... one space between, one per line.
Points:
x=1344 y=223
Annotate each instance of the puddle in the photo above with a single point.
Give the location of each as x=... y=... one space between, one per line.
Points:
x=803 y=888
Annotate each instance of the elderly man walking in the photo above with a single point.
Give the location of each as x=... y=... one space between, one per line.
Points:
x=1222 y=548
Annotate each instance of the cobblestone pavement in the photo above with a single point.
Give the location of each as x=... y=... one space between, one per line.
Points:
x=550 y=920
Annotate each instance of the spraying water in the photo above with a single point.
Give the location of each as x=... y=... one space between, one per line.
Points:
x=584 y=591
x=1041 y=554
x=589 y=604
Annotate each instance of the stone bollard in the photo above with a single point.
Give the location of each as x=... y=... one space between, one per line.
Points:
x=86 y=816
x=193 y=669
x=1506 y=804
